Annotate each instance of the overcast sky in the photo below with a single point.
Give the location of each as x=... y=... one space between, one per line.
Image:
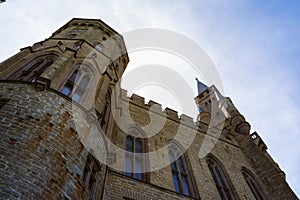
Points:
x=253 y=44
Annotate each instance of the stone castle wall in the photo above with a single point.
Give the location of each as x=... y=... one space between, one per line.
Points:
x=41 y=154
x=226 y=149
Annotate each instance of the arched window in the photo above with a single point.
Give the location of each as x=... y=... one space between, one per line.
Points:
x=253 y=185
x=34 y=69
x=220 y=178
x=181 y=176
x=91 y=177
x=77 y=83
x=135 y=157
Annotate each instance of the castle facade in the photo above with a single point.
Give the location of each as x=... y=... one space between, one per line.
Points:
x=68 y=131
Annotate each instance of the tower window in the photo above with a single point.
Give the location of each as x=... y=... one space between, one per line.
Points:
x=77 y=83
x=253 y=185
x=220 y=178
x=34 y=69
x=78 y=30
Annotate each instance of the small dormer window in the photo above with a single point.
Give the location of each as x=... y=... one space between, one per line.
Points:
x=99 y=47
x=78 y=30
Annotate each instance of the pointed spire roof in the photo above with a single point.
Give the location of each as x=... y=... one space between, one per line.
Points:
x=201 y=86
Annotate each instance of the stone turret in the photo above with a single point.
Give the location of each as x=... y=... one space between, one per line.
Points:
x=51 y=95
x=215 y=109
x=212 y=105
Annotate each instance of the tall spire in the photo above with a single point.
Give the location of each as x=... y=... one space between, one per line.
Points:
x=201 y=86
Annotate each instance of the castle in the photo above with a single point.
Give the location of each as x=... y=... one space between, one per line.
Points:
x=68 y=131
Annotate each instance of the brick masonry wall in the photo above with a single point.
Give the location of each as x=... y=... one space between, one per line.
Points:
x=121 y=187
x=41 y=154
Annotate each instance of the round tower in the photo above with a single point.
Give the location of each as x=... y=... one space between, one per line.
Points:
x=43 y=151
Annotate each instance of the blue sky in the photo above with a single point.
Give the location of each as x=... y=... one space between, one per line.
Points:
x=253 y=44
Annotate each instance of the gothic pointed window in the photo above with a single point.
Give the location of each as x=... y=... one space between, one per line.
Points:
x=34 y=69
x=253 y=185
x=180 y=176
x=220 y=178
x=135 y=157
x=180 y=173
x=77 y=83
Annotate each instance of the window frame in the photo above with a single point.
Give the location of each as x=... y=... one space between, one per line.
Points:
x=221 y=179
x=30 y=72
x=176 y=153
x=81 y=70
x=253 y=184
x=181 y=174
x=133 y=155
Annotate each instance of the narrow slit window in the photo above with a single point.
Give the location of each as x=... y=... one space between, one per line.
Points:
x=104 y=117
x=90 y=177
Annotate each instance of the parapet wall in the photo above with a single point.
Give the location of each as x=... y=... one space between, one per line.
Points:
x=156 y=108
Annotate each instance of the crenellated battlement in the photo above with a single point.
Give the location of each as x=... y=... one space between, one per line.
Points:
x=94 y=23
x=156 y=108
